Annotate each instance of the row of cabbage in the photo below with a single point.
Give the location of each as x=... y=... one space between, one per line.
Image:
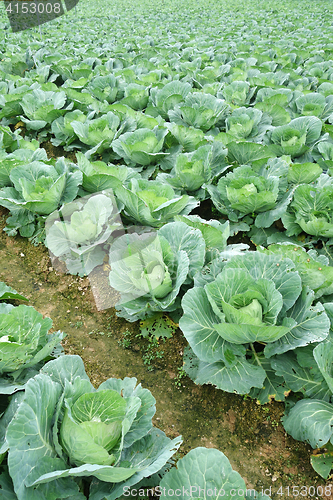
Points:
x=239 y=112
x=282 y=172
x=221 y=119
x=245 y=181
x=62 y=438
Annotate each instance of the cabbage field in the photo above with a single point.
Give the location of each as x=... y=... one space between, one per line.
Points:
x=184 y=150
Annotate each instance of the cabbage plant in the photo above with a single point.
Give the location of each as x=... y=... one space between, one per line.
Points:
x=106 y=88
x=199 y=110
x=99 y=132
x=25 y=341
x=69 y=440
x=238 y=93
x=152 y=203
x=143 y=146
x=193 y=170
x=38 y=189
x=255 y=310
x=170 y=95
x=25 y=345
x=149 y=269
x=136 y=96
x=262 y=193
x=42 y=107
x=19 y=158
x=189 y=138
x=315 y=104
x=62 y=128
x=243 y=192
x=245 y=123
x=97 y=175
x=297 y=137
x=311 y=210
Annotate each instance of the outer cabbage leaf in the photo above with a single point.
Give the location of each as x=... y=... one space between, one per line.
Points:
x=310 y=324
x=274 y=386
x=245 y=153
x=303 y=173
x=62 y=127
x=28 y=437
x=310 y=420
x=98 y=176
x=201 y=470
x=8 y=293
x=299 y=376
x=149 y=456
x=313 y=269
x=237 y=377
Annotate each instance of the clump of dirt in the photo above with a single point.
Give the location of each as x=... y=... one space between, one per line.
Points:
x=250 y=435
x=57 y=151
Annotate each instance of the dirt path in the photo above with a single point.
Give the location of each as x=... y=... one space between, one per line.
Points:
x=251 y=436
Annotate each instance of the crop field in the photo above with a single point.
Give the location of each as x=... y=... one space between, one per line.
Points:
x=174 y=160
